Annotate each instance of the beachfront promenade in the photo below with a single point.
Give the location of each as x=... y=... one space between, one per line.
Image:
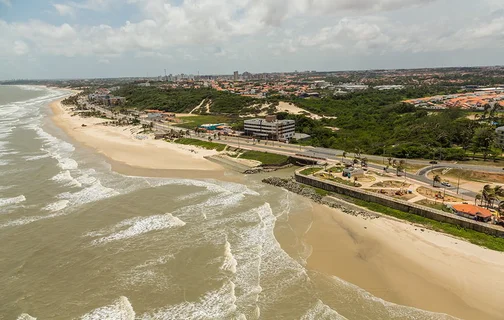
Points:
x=398 y=204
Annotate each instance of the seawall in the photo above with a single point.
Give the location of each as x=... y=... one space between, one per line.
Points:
x=405 y=206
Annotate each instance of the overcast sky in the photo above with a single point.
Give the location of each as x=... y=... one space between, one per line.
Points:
x=115 y=38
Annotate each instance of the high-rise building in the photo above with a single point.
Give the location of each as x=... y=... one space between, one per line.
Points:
x=235 y=76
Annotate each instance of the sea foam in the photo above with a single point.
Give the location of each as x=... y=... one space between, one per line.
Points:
x=56 y=206
x=229 y=263
x=25 y=316
x=140 y=225
x=321 y=311
x=121 y=309
x=66 y=177
x=218 y=304
x=11 y=201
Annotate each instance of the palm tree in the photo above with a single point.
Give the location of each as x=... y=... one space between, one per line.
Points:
x=500 y=207
x=437 y=179
x=390 y=161
x=499 y=191
x=488 y=194
x=478 y=197
x=364 y=162
x=343 y=155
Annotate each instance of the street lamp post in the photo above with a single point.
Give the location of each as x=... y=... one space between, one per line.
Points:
x=458 y=180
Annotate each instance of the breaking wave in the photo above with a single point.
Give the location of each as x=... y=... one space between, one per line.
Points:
x=120 y=309
x=138 y=226
x=12 y=201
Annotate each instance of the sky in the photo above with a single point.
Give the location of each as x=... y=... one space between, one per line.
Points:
x=122 y=38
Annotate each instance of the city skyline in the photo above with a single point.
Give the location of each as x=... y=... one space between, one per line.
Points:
x=108 y=38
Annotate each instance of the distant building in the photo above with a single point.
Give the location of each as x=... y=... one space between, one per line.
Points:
x=309 y=95
x=247 y=75
x=106 y=99
x=235 y=76
x=500 y=136
x=353 y=87
x=158 y=115
x=390 y=87
x=270 y=128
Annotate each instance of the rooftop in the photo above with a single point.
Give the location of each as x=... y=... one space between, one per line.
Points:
x=472 y=210
x=261 y=121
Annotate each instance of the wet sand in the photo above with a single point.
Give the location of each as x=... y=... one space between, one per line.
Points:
x=401 y=264
x=129 y=154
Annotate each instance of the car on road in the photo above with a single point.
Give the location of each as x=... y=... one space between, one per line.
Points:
x=446 y=184
x=433 y=162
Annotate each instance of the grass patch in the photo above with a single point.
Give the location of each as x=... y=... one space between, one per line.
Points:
x=203 y=144
x=268 y=159
x=475 y=237
x=347 y=182
x=321 y=192
x=433 y=204
x=196 y=121
x=310 y=171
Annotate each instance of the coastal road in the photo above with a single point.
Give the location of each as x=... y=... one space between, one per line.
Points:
x=325 y=152
x=333 y=155
x=330 y=155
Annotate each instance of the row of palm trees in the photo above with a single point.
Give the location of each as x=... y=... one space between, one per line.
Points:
x=490 y=195
x=357 y=159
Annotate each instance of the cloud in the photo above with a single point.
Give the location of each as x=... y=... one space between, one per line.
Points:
x=6 y=2
x=229 y=29
x=20 y=48
x=348 y=33
x=70 y=8
x=64 y=9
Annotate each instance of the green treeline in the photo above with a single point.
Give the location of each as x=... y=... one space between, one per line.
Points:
x=170 y=100
x=377 y=122
x=184 y=100
x=370 y=121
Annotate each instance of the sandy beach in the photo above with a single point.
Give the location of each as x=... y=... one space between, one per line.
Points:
x=126 y=147
x=392 y=260
x=400 y=263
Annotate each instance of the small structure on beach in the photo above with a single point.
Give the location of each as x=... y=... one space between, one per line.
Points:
x=472 y=212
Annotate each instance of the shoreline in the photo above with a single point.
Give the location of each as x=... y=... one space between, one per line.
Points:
x=402 y=264
x=389 y=259
x=132 y=153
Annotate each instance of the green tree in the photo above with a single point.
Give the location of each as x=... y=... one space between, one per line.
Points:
x=478 y=197
x=483 y=140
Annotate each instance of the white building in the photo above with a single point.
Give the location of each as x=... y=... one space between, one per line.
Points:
x=270 y=128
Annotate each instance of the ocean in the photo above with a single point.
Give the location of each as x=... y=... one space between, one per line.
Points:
x=79 y=241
